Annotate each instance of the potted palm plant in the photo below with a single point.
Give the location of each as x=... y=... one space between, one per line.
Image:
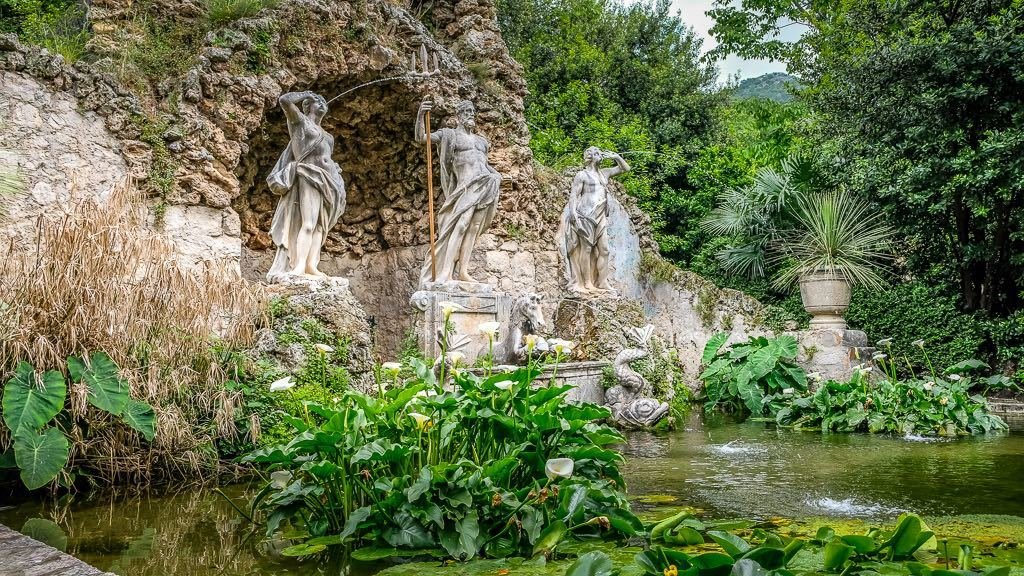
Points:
x=824 y=241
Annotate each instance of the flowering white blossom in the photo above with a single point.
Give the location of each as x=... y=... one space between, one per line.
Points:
x=559 y=468
x=561 y=346
x=918 y=343
x=456 y=358
x=787 y=391
x=489 y=329
x=954 y=377
x=879 y=356
x=531 y=342
x=885 y=342
x=282 y=384
x=422 y=420
x=928 y=386
x=814 y=376
x=943 y=400
x=447 y=308
x=323 y=348
x=392 y=368
x=504 y=384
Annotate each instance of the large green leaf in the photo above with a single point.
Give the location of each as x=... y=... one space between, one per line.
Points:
x=836 y=554
x=594 y=563
x=733 y=545
x=465 y=540
x=711 y=348
x=550 y=538
x=785 y=346
x=106 y=389
x=40 y=456
x=29 y=405
x=47 y=532
x=141 y=417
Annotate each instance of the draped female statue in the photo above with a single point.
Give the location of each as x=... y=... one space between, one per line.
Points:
x=310 y=185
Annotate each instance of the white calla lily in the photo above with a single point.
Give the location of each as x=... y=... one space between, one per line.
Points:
x=447 y=308
x=392 y=368
x=422 y=420
x=489 y=329
x=561 y=346
x=504 y=384
x=282 y=384
x=918 y=343
x=559 y=468
x=323 y=348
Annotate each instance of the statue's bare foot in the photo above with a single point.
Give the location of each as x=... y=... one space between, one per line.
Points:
x=315 y=273
x=464 y=277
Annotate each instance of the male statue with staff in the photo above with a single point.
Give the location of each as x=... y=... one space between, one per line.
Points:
x=470 y=186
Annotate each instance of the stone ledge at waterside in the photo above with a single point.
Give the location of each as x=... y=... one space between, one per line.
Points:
x=23 y=556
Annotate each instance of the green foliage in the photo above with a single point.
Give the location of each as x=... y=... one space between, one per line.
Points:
x=919 y=311
x=783 y=223
x=60 y=26
x=465 y=472
x=220 y=12
x=624 y=77
x=33 y=411
x=755 y=377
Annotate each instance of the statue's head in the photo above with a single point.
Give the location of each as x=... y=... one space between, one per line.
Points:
x=315 y=107
x=466 y=113
x=592 y=154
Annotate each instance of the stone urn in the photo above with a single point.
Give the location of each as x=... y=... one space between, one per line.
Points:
x=826 y=296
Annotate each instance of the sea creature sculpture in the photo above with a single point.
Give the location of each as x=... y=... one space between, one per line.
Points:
x=526 y=318
x=631 y=400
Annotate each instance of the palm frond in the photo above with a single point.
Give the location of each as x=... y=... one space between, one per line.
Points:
x=733 y=214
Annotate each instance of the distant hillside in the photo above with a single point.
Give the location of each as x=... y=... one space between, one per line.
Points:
x=772 y=86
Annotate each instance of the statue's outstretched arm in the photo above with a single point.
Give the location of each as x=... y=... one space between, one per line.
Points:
x=621 y=166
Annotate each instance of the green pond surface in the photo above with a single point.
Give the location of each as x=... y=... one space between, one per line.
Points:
x=969 y=489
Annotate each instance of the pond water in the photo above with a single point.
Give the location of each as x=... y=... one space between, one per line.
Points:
x=726 y=469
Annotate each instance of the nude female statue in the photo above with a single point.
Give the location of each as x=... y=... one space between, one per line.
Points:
x=311 y=188
x=583 y=237
x=470 y=188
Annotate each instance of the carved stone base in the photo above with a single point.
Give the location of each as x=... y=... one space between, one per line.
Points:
x=833 y=352
x=313 y=283
x=473 y=309
x=458 y=286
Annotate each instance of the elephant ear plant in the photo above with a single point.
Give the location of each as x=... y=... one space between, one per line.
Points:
x=485 y=466
x=33 y=411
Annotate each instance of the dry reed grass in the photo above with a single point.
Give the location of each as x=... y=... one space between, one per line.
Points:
x=98 y=278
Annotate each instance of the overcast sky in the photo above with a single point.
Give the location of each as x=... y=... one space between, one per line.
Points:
x=693 y=13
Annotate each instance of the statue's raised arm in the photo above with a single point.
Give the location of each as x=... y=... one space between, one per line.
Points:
x=420 y=128
x=621 y=166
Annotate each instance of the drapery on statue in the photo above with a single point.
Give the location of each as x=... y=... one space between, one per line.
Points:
x=470 y=187
x=583 y=234
x=311 y=189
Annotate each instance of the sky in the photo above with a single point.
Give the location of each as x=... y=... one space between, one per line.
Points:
x=693 y=13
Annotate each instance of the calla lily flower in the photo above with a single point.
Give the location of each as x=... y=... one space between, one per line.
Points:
x=447 y=308
x=561 y=346
x=954 y=377
x=787 y=391
x=815 y=376
x=928 y=386
x=878 y=356
x=280 y=479
x=559 y=468
x=531 y=342
x=282 y=384
x=504 y=384
x=489 y=329
x=943 y=400
x=885 y=342
x=422 y=420
x=392 y=368
x=456 y=358
x=323 y=348
x=918 y=343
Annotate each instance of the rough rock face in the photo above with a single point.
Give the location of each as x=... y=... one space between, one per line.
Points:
x=60 y=151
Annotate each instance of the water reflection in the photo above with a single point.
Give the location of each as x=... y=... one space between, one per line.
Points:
x=757 y=470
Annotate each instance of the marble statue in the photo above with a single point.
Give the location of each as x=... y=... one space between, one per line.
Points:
x=630 y=400
x=583 y=234
x=526 y=318
x=311 y=189
x=470 y=187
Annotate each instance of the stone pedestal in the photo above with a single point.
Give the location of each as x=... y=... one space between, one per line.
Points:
x=833 y=352
x=586 y=376
x=474 y=308
x=597 y=325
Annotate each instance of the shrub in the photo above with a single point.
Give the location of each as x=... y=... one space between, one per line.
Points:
x=60 y=26
x=490 y=466
x=753 y=377
x=917 y=311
